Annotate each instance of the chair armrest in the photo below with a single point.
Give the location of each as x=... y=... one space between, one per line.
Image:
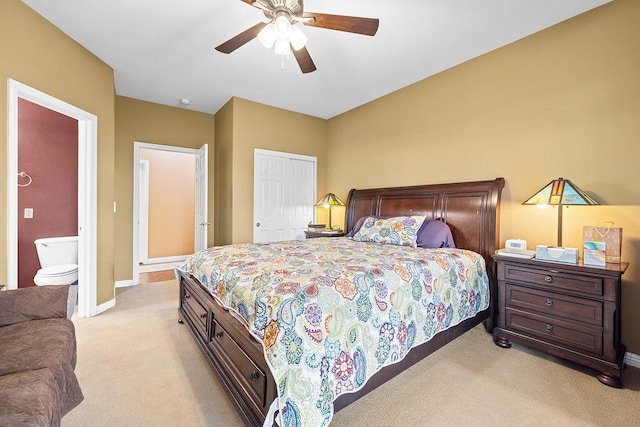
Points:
x=35 y=303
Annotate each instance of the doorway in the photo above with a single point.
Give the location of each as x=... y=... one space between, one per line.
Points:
x=197 y=183
x=87 y=191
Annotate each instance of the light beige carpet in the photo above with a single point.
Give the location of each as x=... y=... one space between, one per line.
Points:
x=138 y=366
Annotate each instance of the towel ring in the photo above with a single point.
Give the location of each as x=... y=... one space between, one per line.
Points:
x=24 y=175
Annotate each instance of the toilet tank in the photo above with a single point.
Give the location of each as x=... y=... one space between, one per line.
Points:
x=57 y=250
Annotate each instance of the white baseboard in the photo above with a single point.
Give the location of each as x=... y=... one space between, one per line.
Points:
x=632 y=360
x=105 y=306
x=163 y=260
x=123 y=283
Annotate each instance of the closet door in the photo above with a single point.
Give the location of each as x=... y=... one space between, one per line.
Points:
x=284 y=192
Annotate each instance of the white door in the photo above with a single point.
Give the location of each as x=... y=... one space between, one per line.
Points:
x=284 y=192
x=202 y=222
x=143 y=220
x=302 y=183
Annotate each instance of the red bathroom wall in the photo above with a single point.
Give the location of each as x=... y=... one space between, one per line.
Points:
x=48 y=152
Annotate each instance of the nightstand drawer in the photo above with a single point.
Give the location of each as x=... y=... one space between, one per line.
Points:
x=582 y=338
x=554 y=279
x=578 y=309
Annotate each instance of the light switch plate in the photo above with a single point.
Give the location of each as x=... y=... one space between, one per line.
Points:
x=28 y=212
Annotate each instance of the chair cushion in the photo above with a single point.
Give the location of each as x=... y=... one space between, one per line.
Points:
x=30 y=398
x=38 y=344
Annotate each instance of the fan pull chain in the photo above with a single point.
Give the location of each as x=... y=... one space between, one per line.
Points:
x=282 y=59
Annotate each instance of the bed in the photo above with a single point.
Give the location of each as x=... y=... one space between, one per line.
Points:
x=268 y=343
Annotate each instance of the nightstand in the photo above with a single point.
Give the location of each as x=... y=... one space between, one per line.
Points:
x=568 y=310
x=325 y=233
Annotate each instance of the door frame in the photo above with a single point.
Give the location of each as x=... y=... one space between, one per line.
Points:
x=143 y=219
x=87 y=190
x=137 y=146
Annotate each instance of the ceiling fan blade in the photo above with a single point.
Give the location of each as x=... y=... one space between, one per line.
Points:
x=304 y=60
x=349 y=24
x=241 y=39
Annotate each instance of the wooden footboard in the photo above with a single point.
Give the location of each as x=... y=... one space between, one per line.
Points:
x=235 y=355
x=472 y=212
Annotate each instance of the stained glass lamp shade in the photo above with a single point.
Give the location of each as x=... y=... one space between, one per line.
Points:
x=560 y=192
x=329 y=201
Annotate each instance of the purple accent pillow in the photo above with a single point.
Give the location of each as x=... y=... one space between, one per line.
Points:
x=360 y=221
x=435 y=234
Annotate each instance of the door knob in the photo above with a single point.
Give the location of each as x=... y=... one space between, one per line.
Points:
x=204 y=223
x=257 y=224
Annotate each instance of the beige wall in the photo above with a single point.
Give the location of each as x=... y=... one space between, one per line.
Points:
x=259 y=126
x=172 y=202
x=36 y=53
x=140 y=121
x=224 y=178
x=561 y=103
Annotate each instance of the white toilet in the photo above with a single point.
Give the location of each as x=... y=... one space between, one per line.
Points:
x=59 y=261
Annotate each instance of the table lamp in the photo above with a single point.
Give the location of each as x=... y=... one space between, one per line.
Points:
x=560 y=192
x=329 y=201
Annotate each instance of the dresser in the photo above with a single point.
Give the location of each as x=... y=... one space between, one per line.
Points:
x=568 y=310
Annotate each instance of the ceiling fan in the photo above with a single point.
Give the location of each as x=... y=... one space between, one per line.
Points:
x=282 y=31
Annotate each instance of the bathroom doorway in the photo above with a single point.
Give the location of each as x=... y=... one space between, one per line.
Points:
x=86 y=228
x=47 y=182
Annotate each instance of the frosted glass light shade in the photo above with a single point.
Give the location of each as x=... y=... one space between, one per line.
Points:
x=282 y=27
x=267 y=36
x=282 y=47
x=297 y=39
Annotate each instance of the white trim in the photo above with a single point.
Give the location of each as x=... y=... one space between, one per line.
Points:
x=283 y=154
x=143 y=219
x=137 y=146
x=177 y=258
x=87 y=190
x=632 y=360
x=105 y=306
x=123 y=283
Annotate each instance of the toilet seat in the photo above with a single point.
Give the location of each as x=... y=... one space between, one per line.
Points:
x=64 y=274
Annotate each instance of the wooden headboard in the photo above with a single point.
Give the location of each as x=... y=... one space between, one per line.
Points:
x=471 y=209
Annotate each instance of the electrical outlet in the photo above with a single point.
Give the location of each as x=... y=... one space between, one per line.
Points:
x=28 y=212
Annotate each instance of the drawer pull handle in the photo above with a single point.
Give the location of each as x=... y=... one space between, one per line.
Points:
x=203 y=316
x=218 y=334
x=548 y=302
x=253 y=376
x=549 y=328
x=548 y=279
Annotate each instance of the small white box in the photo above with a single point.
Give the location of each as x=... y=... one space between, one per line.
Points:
x=552 y=253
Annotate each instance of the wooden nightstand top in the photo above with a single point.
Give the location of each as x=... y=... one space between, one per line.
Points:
x=609 y=268
x=325 y=233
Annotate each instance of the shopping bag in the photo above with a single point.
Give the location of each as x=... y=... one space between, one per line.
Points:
x=608 y=234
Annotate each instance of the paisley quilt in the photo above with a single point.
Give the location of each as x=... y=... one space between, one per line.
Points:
x=331 y=312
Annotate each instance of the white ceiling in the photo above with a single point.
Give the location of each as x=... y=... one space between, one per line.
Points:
x=163 y=50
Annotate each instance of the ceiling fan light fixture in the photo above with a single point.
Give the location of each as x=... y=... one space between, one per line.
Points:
x=267 y=36
x=297 y=39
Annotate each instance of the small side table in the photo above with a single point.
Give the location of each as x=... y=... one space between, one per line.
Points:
x=323 y=233
x=568 y=310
